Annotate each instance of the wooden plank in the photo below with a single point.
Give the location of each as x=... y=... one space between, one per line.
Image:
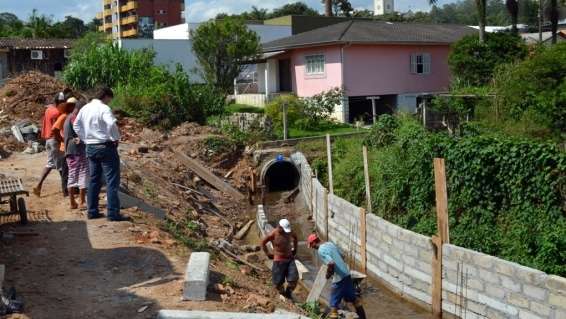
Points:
x=363 y=240
x=326 y=213
x=329 y=162
x=437 y=277
x=319 y=284
x=441 y=200
x=208 y=176
x=366 y=175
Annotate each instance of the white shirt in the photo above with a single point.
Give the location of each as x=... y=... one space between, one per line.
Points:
x=95 y=124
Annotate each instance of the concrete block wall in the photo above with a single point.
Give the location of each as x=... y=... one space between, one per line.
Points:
x=496 y=288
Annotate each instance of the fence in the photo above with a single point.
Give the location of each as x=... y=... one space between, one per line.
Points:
x=471 y=284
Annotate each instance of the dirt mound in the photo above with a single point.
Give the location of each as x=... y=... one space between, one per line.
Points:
x=25 y=96
x=193 y=129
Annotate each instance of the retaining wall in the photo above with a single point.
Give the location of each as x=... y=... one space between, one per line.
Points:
x=475 y=285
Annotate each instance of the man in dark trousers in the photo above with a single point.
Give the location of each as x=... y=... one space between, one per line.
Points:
x=97 y=129
x=342 y=285
x=284 y=244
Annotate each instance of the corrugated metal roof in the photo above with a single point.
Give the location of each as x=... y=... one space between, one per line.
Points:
x=373 y=32
x=19 y=43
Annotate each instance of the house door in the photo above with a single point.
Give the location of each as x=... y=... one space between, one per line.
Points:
x=285 y=76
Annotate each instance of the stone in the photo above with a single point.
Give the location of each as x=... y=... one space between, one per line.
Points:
x=528 y=315
x=495 y=291
x=196 y=277
x=505 y=268
x=489 y=276
x=541 y=309
x=252 y=258
x=510 y=284
x=497 y=305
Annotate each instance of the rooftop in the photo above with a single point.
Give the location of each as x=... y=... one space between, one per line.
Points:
x=373 y=32
x=20 y=43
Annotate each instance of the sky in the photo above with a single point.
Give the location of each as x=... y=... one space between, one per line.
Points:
x=198 y=10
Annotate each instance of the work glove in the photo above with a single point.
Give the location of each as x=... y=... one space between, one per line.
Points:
x=330 y=271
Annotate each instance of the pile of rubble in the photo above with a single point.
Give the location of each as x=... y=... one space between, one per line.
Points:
x=25 y=96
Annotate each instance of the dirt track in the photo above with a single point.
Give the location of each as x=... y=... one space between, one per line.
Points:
x=77 y=268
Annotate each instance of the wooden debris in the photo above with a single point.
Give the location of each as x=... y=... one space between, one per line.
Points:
x=208 y=176
x=244 y=230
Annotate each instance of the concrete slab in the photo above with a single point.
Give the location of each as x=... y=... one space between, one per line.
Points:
x=180 y=314
x=196 y=277
x=127 y=201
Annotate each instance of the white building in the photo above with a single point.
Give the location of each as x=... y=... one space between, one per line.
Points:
x=381 y=7
x=173 y=45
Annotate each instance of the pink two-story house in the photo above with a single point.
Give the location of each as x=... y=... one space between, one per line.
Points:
x=392 y=63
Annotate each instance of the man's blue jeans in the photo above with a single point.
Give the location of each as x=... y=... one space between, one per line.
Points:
x=103 y=159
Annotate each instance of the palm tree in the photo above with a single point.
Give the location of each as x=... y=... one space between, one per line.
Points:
x=328 y=8
x=481 y=5
x=513 y=8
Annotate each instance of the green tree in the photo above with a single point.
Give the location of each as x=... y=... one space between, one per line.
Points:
x=38 y=26
x=10 y=25
x=297 y=8
x=221 y=47
x=88 y=42
x=340 y=7
x=473 y=62
x=71 y=27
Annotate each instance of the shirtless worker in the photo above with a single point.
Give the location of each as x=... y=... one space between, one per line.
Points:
x=342 y=285
x=284 y=250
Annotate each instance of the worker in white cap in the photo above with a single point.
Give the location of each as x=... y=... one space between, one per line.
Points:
x=285 y=248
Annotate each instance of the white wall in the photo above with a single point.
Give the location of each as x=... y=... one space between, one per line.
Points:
x=182 y=32
x=168 y=53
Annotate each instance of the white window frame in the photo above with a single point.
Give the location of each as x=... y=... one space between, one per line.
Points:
x=315 y=70
x=424 y=60
x=38 y=55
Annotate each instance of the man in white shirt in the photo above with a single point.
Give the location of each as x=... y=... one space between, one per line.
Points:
x=96 y=127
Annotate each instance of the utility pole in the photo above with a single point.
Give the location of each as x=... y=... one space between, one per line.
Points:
x=540 y=19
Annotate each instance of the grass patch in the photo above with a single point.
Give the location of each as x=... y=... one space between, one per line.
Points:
x=244 y=108
x=322 y=129
x=180 y=235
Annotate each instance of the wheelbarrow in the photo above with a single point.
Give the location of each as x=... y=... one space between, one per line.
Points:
x=11 y=190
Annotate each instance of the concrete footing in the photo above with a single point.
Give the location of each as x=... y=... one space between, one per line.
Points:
x=196 y=277
x=180 y=314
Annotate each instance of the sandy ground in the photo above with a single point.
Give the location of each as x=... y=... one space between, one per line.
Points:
x=76 y=268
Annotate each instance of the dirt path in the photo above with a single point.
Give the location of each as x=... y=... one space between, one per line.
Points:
x=77 y=268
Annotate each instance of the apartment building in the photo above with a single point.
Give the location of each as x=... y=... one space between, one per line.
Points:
x=138 y=18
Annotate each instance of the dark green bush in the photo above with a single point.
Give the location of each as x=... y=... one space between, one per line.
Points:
x=535 y=90
x=209 y=98
x=506 y=195
x=383 y=132
x=474 y=63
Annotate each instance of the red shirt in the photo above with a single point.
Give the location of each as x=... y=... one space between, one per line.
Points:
x=49 y=118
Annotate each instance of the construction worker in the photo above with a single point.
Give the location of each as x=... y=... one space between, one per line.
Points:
x=285 y=246
x=342 y=285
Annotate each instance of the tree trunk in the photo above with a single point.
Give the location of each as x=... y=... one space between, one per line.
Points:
x=513 y=9
x=328 y=8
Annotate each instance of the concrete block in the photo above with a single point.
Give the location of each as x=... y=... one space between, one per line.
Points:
x=559 y=314
x=393 y=262
x=530 y=276
x=556 y=283
x=540 y=309
x=510 y=284
x=528 y=315
x=495 y=291
x=411 y=250
x=557 y=300
x=494 y=314
x=484 y=261
x=417 y=274
x=505 y=268
x=196 y=276
x=497 y=305
x=518 y=300
x=477 y=308
x=408 y=260
x=489 y=276
x=476 y=284
x=535 y=292
x=425 y=255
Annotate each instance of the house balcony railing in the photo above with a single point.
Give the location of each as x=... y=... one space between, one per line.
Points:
x=107 y=12
x=257 y=99
x=129 y=20
x=131 y=5
x=129 y=33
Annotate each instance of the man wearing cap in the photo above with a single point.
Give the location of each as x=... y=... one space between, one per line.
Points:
x=54 y=155
x=285 y=247
x=342 y=285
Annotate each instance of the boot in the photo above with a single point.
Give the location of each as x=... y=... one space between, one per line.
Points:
x=361 y=312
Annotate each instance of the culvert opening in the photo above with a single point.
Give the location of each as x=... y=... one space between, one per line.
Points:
x=281 y=176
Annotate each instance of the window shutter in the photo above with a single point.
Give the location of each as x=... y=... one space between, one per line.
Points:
x=426 y=63
x=413 y=63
